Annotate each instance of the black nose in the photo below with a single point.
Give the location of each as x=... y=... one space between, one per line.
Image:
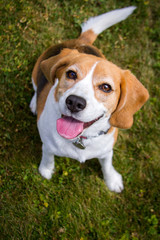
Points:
x=75 y=103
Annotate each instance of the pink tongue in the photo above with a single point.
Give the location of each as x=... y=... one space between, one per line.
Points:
x=69 y=127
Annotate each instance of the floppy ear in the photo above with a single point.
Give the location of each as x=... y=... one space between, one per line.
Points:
x=50 y=65
x=133 y=96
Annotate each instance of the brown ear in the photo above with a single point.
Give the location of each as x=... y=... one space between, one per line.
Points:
x=133 y=96
x=50 y=66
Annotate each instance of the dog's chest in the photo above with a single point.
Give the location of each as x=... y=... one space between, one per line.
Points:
x=95 y=147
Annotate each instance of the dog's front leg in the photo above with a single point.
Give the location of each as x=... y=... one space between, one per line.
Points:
x=46 y=167
x=112 y=178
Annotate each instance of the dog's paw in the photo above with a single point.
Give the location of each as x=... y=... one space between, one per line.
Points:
x=45 y=172
x=114 y=181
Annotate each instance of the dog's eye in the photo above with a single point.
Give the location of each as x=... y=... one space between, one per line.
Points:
x=71 y=75
x=105 y=88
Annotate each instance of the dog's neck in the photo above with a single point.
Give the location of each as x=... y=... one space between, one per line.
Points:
x=79 y=143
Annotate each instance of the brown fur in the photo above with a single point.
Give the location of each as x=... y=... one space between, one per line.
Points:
x=103 y=71
x=82 y=44
x=115 y=135
x=133 y=96
x=128 y=95
x=55 y=67
x=42 y=99
x=88 y=37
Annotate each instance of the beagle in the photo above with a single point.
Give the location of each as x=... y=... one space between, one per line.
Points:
x=81 y=99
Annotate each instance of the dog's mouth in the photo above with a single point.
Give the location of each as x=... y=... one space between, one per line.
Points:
x=69 y=127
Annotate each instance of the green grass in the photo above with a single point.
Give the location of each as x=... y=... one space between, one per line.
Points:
x=75 y=204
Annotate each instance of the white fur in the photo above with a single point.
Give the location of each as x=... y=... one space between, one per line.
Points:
x=99 y=23
x=46 y=167
x=96 y=147
x=111 y=177
x=33 y=103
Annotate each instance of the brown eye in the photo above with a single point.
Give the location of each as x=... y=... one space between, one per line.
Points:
x=105 y=88
x=71 y=75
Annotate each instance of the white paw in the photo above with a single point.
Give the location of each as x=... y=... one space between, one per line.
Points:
x=114 y=181
x=33 y=104
x=45 y=172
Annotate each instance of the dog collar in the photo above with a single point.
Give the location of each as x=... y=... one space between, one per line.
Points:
x=79 y=141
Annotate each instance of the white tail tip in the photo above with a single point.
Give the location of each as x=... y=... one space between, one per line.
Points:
x=99 y=23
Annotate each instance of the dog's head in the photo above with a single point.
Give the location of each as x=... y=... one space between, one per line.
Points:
x=92 y=92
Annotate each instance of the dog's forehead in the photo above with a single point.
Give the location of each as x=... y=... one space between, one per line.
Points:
x=105 y=70
x=83 y=62
x=102 y=68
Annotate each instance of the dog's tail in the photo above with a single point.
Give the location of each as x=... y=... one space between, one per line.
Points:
x=95 y=25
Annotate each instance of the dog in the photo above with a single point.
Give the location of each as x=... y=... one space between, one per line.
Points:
x=81 y=99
